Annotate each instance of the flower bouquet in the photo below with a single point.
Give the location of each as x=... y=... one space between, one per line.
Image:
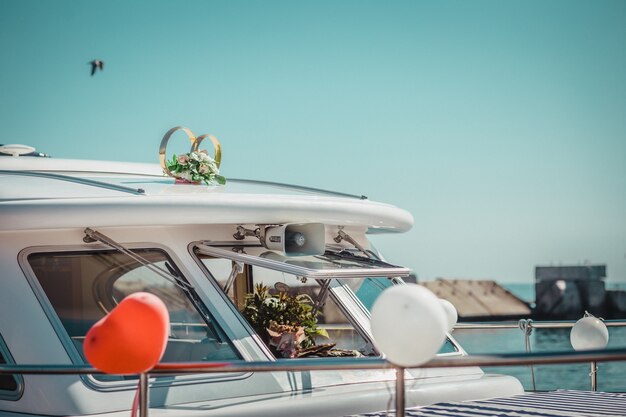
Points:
x=286 y=323
x=194 y=167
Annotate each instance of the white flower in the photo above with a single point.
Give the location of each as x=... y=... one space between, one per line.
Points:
x=183 y=159
x=272 y=302
x=195 y=167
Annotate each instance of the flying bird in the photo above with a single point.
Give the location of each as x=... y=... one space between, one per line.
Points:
x=95 y=65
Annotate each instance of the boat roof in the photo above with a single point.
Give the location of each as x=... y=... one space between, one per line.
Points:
x=41 y=193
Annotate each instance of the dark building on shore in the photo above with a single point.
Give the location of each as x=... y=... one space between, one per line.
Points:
x=566 y=292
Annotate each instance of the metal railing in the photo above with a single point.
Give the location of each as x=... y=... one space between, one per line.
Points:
x=77 y=180
x=527 y=326
x=535 y=324
x=296 y=365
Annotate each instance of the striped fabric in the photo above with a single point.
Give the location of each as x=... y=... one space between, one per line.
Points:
x=535 y=404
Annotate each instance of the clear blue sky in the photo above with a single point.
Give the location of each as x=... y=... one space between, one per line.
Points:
x=500 y=125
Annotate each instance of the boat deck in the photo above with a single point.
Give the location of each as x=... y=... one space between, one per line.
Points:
x=561 y=403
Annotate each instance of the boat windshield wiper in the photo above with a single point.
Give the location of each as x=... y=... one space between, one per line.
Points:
x=77 y=180
x=345 y=255
x=170 y=275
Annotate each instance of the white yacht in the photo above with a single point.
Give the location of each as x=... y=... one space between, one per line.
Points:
x=78 y=236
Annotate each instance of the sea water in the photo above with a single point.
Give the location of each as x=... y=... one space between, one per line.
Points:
x=610 y=375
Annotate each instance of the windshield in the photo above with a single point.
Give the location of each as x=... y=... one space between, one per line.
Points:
x=367 y=291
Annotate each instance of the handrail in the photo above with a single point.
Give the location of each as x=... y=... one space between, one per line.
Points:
x=299 y=188
x=294 y=365
x=535 y=325
x=76 y=180
x=527 y=326
x=290 y=365
x=48 y=174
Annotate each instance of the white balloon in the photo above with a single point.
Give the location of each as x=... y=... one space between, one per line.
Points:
x=589 y=333
x=451 y=314
x=408 y=324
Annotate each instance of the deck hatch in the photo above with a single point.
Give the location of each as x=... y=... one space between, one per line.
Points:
x=327 y=266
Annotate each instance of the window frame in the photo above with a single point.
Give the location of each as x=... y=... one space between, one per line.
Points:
x=233 y=308
x=71 y=350
x=16 y=394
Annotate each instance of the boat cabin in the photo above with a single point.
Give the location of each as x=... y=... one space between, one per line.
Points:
x=249 y=271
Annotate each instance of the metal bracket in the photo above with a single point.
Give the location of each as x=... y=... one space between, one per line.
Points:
x=341 y=235
x=242 y=232
x=321 y=297
x=237 y=269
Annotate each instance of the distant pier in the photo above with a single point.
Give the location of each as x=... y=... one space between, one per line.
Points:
x=479 y=300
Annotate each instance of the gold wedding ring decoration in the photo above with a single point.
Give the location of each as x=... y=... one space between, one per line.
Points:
x=195 y=143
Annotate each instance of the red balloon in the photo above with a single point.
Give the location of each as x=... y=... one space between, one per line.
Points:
x=130 y=339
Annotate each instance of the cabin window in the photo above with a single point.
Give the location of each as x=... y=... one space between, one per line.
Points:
x=296 y=305
x=83 y=287
x=367 y=291
x=332 y=294
x=10 y=385
x=290 y=313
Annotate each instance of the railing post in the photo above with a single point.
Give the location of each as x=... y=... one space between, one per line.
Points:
x=594 y=376
x=400 y=401
x=143 y=395
x=526 y=326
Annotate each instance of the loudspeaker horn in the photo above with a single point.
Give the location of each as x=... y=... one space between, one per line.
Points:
x=296 y=239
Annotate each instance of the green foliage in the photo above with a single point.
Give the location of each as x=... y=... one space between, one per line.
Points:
x=261 y=308
x=196 y=167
